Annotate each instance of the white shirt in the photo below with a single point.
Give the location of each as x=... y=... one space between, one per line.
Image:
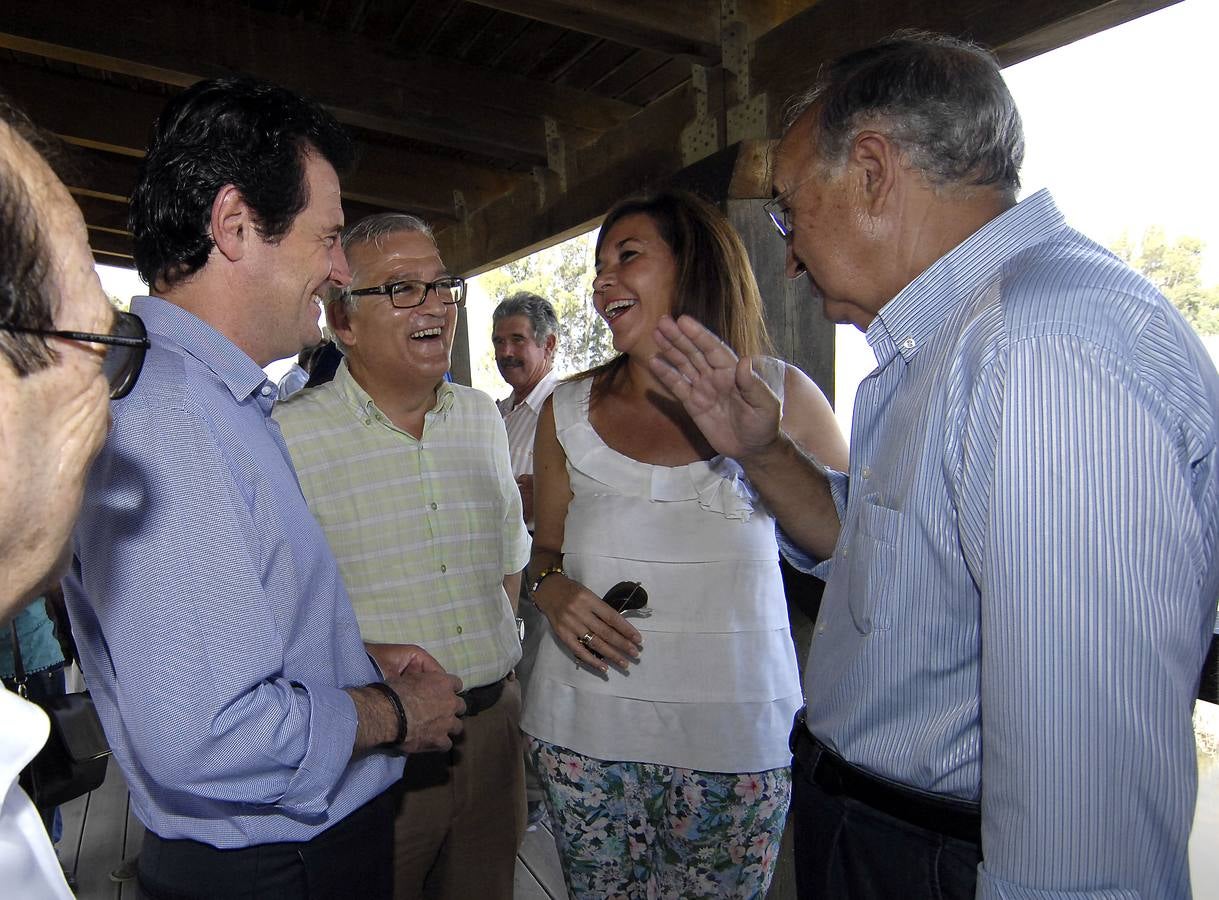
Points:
x=522 y=423
x=27 y=858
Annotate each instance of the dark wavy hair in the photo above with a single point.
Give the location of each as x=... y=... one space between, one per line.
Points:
x=25 y=289
x=714 y=283
x=941 y=99
x=239 y=131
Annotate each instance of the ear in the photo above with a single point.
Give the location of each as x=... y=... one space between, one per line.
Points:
x=338 y=317
x=231 y=223
x=879 y=162
x=551 y=343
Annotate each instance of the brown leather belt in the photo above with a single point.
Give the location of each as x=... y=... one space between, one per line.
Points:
x=483 y=698
x=949 y=816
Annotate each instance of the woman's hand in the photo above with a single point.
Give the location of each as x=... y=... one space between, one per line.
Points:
x=586 y=625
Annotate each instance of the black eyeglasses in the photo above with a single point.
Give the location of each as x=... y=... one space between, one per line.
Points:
x=628 y=598
x=125 y=349
x=408 y=294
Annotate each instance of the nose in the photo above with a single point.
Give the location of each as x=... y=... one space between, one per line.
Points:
x=604 y=279
x=340 y=271
x=793 y=268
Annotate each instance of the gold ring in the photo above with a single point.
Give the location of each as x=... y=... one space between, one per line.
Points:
x=587 y=639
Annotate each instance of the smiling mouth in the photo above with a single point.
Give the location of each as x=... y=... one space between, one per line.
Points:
x=426 y=334
x=616 y=308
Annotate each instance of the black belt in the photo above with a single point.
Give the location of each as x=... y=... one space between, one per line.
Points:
x=949 y=816
x=482 y=698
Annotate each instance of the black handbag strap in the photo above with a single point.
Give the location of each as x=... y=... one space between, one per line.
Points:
x=19 y=678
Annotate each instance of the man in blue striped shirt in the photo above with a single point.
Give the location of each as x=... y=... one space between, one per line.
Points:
x=257 y=737
x=1021 y=564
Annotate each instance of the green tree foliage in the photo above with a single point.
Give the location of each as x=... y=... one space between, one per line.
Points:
x=1175 y=267
x=563 y=274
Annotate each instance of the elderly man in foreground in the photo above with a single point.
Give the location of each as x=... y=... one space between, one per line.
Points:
x=1021 y=563
x=409 y=476
x=63 y=348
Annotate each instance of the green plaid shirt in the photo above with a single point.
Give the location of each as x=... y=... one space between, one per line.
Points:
x=424 y=530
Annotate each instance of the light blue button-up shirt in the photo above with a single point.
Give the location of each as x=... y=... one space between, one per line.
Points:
x=1024 y=587
x=213 y=626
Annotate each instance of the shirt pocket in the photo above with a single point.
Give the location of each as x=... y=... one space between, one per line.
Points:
x=871 y=553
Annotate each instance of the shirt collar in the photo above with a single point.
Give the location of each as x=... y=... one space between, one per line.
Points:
x=536 y=397
x=358 y=399
x=172 y=326
x=905 y=323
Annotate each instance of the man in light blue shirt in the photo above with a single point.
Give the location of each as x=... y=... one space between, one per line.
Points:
x=257 y=736
x=1021 y=565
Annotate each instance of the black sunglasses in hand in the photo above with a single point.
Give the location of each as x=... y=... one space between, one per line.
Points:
x=628 y=599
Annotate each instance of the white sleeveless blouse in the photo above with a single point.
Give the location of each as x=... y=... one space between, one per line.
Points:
x=716 y=684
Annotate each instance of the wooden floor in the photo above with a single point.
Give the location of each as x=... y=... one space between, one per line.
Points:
x=99 y=832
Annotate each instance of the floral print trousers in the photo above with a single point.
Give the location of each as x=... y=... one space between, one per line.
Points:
x=640 y=831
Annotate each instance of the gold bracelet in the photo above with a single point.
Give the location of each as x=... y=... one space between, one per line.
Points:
x=543 y=575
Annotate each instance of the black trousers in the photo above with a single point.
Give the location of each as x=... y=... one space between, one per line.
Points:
x=351 y=859
x=848 y=850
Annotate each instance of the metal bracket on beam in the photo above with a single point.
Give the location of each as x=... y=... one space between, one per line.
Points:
x=700 y=138
x=547 y=184
x=746 y=117
x=460 y=210
x=556 y=152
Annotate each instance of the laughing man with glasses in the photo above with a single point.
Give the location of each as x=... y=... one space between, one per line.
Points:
x=410 y=477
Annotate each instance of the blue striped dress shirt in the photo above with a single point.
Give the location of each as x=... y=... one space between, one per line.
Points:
x=1023 y=590
x=210 y=616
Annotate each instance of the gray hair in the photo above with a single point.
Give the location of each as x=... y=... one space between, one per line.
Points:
x=373 y=230
x=942 y=100
x=535 y=308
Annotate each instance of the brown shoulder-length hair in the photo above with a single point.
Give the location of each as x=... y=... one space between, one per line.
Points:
x=714 y=283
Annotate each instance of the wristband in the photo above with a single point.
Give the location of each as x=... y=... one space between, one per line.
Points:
x=393 y=698
x=545 y=573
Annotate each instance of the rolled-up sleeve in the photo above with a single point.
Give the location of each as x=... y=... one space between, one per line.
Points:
x=801 y=561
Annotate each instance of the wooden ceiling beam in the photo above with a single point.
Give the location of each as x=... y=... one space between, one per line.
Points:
x=117 y=120
x=786 y=58
x=683 y=28
x=425 y=99
x=646 y=151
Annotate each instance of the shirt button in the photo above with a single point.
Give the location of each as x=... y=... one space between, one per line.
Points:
x=266 y=390
x=433 y=506
x=459 y=629
x=866 y=472
x=443 y=567
x=820 y=629
x=908 y=344
x=368 y=421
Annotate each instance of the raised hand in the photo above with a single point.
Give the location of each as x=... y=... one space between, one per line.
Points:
x=733 y=408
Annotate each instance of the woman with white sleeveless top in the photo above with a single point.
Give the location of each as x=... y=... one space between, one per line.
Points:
x=662 y=741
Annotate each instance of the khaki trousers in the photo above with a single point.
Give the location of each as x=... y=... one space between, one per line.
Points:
x=462 y=813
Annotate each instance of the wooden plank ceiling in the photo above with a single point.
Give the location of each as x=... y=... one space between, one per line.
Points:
x=505 y=123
